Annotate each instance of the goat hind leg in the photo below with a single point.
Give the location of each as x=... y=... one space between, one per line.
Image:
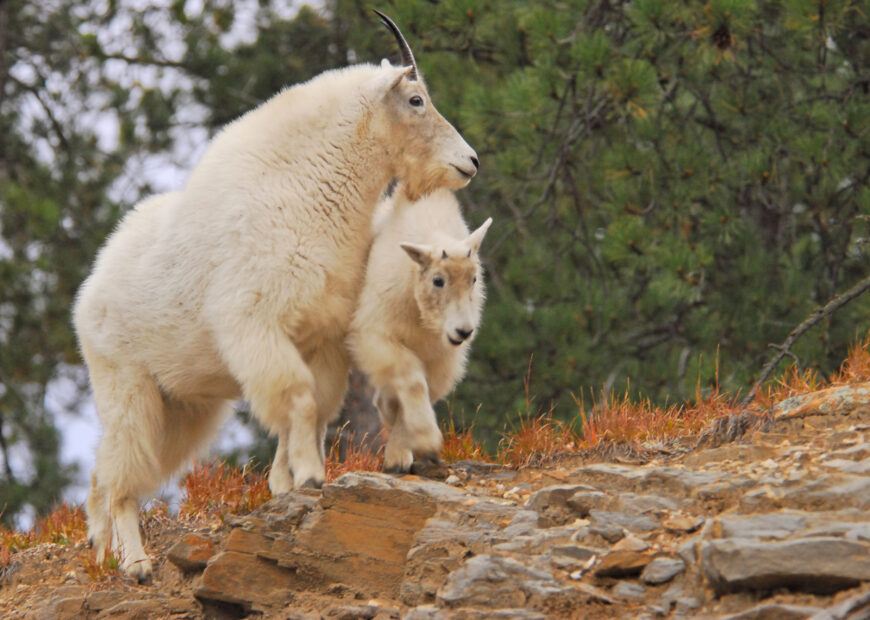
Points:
x=99 y=519
x=130 y=406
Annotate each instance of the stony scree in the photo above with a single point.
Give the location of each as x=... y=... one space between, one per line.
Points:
x=774 y=525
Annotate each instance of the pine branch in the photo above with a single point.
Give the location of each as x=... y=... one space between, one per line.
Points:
x=784 y=349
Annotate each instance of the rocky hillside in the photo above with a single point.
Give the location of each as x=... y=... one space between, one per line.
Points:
x=771 y=525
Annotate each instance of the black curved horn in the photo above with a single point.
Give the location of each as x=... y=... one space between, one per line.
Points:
x=404 y=48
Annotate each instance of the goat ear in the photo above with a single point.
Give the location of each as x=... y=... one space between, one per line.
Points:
x=476 y=238
x=420 y=254
x=388 y=78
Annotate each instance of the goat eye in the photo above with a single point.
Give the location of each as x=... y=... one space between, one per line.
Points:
x=416 y=101
x=438 y=281
x=474 y=279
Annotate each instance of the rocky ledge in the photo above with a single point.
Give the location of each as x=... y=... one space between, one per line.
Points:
x=773 y=526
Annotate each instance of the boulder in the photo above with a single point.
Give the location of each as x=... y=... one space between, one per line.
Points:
x=816 y=564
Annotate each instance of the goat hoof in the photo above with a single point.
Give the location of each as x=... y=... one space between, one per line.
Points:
x=90 y=542
x=397 y=470
x=311 y=483
x=433 y=468
x=428 y=458
x=140 y=571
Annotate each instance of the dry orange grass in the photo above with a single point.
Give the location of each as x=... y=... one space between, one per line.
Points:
x=64 y=525
x=535 y=440
x=215 y=489
x=460 y=445
x=618 y=420
x=107 y=570
x=357 y=457
x=856 y=367
x=791 y=383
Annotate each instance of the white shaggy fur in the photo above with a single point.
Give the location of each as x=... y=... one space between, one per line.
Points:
x=244 y=284
x=418 y=313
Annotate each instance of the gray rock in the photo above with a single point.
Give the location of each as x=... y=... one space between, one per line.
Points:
x=657 y=504
x=731 y=452
x=551 y=503
x=819 y=565
x=857 y=452
x=610 y=533
x=771 y=525
x=774 y=611
x=680 y=482
x=830 y=493
x=103 y=599
x=582 y=502
x=279 y=514
x=668 y=481
x=144 y=608
x=630 y=591
x=575 y=552
x=430 y=612
x=425 y=612
x=662 y=570
x=860 y=531
x=523 y=522
x=682 y=524
x=849 y=467
x=630 y=522
x=491 y=580
x=854 y=608
x=688 y=551
x=537 y=538
x=605 y=476
x=722 y=491
x=353 y=612
x=686 y=605
x=554 y=496
x=367 y=485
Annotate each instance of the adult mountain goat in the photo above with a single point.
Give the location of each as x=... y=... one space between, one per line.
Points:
x=419 y=311
x=244 y=283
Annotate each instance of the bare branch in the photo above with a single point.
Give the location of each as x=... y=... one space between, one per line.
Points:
x=785 y=348
x=55 y=124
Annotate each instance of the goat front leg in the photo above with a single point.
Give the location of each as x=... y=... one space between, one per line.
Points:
x=397 y=456
x=281 y=390
x=416 y=428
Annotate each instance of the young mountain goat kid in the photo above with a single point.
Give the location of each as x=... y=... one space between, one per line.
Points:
x=244 y=283
x=418 y=313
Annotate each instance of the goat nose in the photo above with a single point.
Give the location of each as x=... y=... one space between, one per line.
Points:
x=464 y=333
x=475 y=162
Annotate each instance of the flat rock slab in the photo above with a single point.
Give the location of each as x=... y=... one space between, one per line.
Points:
x=192 y=552
x=662 y=570
x=667 y=481
x=628 y=521
x=497 y=581
x=771 y=525
x=836 y=400
x=818 y=564
x=622 y=564
x=774 y=611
